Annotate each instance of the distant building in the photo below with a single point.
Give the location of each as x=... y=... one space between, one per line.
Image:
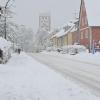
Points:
x=44 y=22
x=89 y=23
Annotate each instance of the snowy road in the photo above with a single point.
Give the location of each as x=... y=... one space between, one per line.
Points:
x=86 y=73
x=23 y=78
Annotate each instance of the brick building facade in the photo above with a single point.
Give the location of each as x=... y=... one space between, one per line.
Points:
x=89 y=23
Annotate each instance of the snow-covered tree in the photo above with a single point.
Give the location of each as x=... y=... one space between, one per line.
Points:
x=23 y=37
x=5 y=16
x=40 y=39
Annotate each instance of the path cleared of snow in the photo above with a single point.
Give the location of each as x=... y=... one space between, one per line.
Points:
x=23 y=78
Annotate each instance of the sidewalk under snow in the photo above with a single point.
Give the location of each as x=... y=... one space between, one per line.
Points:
x=23 y=78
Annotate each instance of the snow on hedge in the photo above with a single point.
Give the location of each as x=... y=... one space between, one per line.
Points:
x=4 y=44
x=73 y=48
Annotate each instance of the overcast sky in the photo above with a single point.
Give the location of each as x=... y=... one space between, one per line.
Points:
x=62 y=11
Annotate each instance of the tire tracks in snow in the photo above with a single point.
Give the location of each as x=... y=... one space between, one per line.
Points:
x=74 y=70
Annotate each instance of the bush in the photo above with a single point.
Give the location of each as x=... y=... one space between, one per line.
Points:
x=5 y=47
x=74 y=49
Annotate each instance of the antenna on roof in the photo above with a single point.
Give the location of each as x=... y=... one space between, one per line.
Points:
x=75 y=15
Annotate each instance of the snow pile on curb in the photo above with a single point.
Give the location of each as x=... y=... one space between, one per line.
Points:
x=23 y=78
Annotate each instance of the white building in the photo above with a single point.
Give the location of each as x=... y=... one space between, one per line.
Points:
x=44 y=21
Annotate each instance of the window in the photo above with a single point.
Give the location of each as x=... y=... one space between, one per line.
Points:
x=86 y=34
x=82 y=35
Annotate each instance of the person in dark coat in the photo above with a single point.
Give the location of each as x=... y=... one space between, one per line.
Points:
x=19 y=50
x=1 y=54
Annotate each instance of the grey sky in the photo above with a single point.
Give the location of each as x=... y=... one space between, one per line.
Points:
x=27 y=11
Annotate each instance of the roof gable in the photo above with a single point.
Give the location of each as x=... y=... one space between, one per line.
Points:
x=62 y=32
x=93 y=12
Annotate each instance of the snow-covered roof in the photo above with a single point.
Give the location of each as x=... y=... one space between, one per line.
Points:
x=66 y=28
x=4 y=44
x=93 y=12
x=70 y=23
x=60 y=33
x=73 y=29
x=63 y=32
x=74 y=20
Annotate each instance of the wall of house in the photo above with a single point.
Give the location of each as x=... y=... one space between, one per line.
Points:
x=69 y=38
x=75 y=36
x=65 y=40
x=85 y=38
x=96 y=33
x=59 y=42
x=54 y=41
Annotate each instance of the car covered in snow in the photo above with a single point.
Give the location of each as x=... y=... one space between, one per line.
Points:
x=49 y=49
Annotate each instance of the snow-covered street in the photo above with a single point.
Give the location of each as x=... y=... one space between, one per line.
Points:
x=80 y=68
x=49 y=50
x=23 y=78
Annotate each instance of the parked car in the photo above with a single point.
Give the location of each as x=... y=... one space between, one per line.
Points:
x=49 y=49
x=74 y=51
x=59 y=49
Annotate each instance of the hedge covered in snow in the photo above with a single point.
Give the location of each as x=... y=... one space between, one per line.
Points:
x=5 y=50
x=73 y=49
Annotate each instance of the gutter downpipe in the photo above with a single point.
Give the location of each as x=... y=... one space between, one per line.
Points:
x=90 y=39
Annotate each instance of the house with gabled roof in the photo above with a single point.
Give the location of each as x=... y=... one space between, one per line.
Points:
x=67 y=35
x=89 y=23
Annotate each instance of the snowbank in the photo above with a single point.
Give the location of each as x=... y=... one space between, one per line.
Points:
x=23 y=78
